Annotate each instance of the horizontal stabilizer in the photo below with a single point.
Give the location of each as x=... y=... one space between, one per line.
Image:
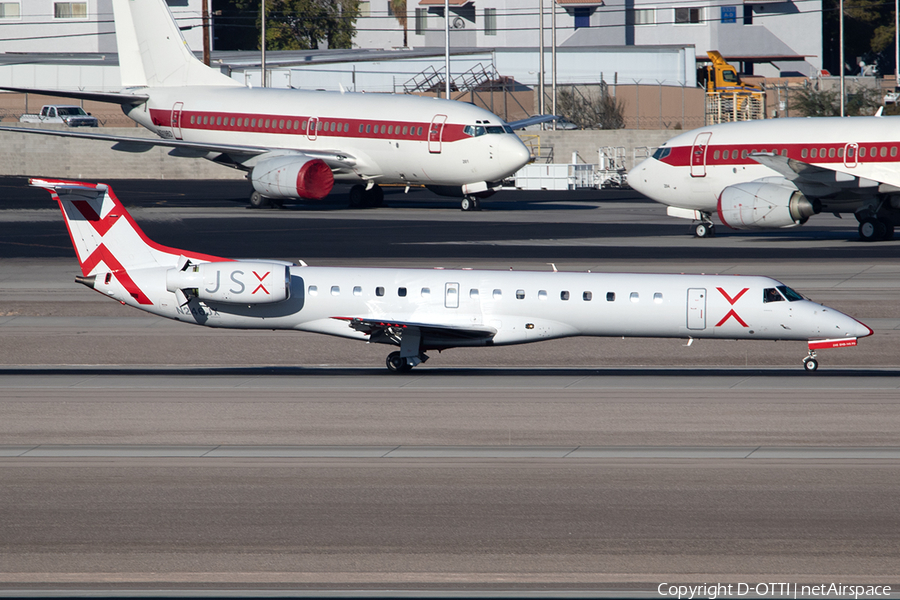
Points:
x=108 y=97
x=536 y=120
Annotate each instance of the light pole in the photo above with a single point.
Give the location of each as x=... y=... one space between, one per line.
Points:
x=447 y=49
x=263 y=43
x=841 y=46
x=541 y=59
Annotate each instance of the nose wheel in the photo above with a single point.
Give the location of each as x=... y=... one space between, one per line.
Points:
x=705 y=230
x=470 y=203
x=399 y=364
x=810 y=364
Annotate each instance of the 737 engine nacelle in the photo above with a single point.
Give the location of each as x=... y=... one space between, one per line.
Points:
x=292 y=176
x=232 y=282
x=761 y=205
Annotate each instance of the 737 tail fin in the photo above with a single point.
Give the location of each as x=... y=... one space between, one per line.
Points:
x=106 y=238
x=152 y=51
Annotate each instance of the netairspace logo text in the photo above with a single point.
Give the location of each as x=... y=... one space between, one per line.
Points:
x=712 y=591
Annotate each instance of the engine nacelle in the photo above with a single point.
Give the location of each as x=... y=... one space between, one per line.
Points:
x=292 y=176
x=760 y=205
x=232 y=282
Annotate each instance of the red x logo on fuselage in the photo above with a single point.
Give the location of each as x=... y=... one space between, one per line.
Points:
x=732 y=302
x=261 y=286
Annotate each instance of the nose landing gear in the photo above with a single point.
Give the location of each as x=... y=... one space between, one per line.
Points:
x=470 y=203
x=810 y=364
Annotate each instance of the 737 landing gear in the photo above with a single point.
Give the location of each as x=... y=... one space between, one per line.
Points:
x=705 y=229
x=257 y=200
x=398 y=364
x=470 y=203
x=873 y=229
x=810 y=364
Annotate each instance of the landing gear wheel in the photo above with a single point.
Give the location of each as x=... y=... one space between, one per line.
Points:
x=374 y=197
x=872 y=229
x=257 y=200
x=357 y=193
x=888 y=229
x=396 y=364
x=705 y=230
x=810 y=365
x=466 y=203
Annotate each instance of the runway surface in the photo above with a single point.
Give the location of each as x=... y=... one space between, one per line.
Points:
x=141 y=454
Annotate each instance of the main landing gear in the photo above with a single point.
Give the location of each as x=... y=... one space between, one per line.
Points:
x=257 y=200
x=470 y=203
x=398 y=364
x=369 y=198
x=875 y=228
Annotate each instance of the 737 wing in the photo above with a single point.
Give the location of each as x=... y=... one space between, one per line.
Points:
x=820 y=181
x=239 y=154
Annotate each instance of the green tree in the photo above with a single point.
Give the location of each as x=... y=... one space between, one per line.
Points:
x=587 y=110
x=810 y=102
x=398 y=7
x=305 y=24
x=868 y=31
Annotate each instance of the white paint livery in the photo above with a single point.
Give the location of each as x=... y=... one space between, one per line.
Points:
x=428 y=309
x=780 y=172
x=295 y=143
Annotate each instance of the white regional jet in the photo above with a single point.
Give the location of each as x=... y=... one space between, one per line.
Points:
x=293 y=143
x=428 y=309
x=778 y=173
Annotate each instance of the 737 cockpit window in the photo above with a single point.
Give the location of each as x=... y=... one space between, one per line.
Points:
x=476 y=130
x=662 y=152
x=772 y=295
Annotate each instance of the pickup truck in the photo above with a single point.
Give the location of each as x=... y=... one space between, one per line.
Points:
x=73 y=116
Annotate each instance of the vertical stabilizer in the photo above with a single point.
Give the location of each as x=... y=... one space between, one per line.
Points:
x=106 y=238
x=152 y=51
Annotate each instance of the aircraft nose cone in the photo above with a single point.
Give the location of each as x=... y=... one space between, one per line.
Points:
x=636 y=178
x=861 y=330
x=517 y=153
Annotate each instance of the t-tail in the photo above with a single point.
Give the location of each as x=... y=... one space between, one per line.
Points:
x=107 y=241
x=152 y=51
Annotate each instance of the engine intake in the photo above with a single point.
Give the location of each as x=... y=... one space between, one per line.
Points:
x=233 y=282
x=760 y=205
x=292 y=176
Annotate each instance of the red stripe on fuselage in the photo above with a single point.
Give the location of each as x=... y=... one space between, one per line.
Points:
x=680 y=156
x=285 y=125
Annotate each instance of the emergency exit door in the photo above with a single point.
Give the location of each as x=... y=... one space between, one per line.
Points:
x=696 y=308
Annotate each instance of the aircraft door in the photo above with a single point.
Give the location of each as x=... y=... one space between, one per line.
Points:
x=176 y=119
x=851 y=152
x=312 y=128
x=451 y=295
x=436 y=133
x=696 y=308
x=698 y=154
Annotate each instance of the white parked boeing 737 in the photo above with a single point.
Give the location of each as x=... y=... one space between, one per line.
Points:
x=428 y=309
x=293 y=143
x=778 y=173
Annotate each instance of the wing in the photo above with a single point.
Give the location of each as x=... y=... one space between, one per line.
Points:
x=536 y=120
x=819 y=181
x=239 y=153
x=433 y=335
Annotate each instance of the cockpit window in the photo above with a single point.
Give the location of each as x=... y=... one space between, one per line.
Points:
x=772 y=295
x=790 y=294
x=662 y=152
x=477 y=130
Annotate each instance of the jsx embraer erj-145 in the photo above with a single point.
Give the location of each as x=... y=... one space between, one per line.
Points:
x=428 y=309
x=293 y=143
x=779 y=173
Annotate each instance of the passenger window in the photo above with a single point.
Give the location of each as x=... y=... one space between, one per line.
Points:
x=473 y=293
x=744 y=154
x=379 y=291
x=814 y=153
x=401 y=292
x=784 y=152
x=497 y=294
x=405 y=128
x=542 y=294
x=360 y=128
x=357 y=290
x=231 y=122
x=734 y=154
x=831 y=153
x=368 y=128
x=634 y=297
x=419 y=131
x=850 y=152
x=520 y=294
x=335 y=290
x=772 y=295
x=804 y=153
x=716 y=155
x=564 y=295
x=303 y=126
x=657 y=298
x=822 y=153
x=313 y=290
x=610 y=296
x=862 y=151
x=426 y=292
x=840 y=153
x=390 y=129
x=883 y=151
x=586 y=296
x=893 y=151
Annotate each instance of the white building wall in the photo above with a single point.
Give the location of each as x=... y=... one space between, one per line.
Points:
x=38 y=30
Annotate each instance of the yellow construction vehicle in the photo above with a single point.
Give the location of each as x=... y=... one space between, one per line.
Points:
x=727 y=97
